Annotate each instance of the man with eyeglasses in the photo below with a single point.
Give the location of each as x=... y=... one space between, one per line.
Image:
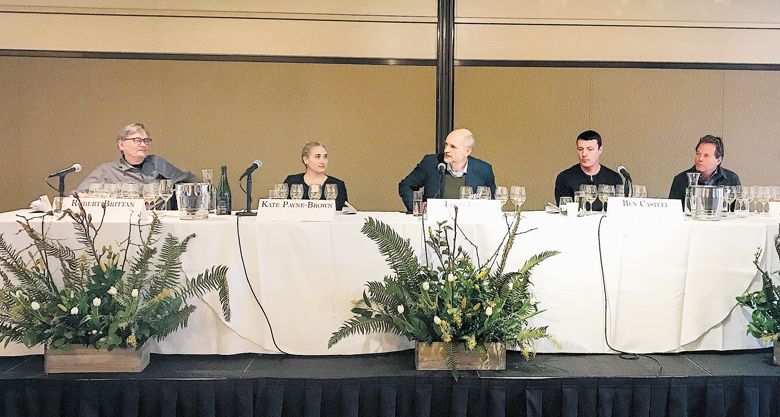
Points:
x=135 y=164
x=709 y=155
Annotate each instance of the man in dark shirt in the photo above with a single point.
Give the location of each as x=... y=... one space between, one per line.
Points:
x=588 y=171
x=709 y=155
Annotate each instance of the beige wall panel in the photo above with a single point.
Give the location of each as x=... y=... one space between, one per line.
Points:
x=524 y=121
x=752 y=126
x=645 y=12
x=377 y=123
x=650 y=120
x=376 y=120
x=615 y=43
x=410 y=8
x=217 y=36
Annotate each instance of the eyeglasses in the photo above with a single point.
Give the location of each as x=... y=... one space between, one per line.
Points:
x=138 y=141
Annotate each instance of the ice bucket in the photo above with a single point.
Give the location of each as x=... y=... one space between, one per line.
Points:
x=707 y=202
x=193 y=200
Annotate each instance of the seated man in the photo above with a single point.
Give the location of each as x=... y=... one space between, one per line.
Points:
x=461 y=169
x=709 y=155
x=588 y=171
x=135 y=165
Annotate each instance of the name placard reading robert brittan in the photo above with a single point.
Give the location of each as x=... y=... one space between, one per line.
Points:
x=292 y=210
x=116 y=208
x=99 y=203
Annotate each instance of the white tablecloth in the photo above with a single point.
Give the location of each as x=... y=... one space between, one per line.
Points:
x=669 y=287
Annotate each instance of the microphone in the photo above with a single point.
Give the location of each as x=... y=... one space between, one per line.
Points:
x=66 y=171
x=441 y=167
x=255 y=165
x=623 y=172
x=628 y=186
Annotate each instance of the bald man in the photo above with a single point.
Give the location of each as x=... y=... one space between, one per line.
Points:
x=460 y=169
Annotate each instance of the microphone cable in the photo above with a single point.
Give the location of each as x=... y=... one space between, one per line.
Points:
x=246 y=276
x=623 y=354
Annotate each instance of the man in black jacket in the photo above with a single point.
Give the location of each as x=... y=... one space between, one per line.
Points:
x=709 y=155
x=460 y=168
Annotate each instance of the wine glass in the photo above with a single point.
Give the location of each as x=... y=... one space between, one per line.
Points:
x=604 y=192
x=131 y=190
x=331 y=192
x=465 y=191
x=562 y=204
x=296 y=191
x=166 y=192
x=96 y=190
x=590 y=192
x=315 y=192
x=282 y=190
x=517 y=195
x=483 y=192
x=640 y=191
x=764 y=195
x=502 y=194
x=150 y=193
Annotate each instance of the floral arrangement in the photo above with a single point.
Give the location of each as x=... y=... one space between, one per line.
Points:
x=450 y=300
x=765 y=319
x=56 y=296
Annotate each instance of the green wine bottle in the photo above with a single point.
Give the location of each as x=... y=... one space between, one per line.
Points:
x=224 y=199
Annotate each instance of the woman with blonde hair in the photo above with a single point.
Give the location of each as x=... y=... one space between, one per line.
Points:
x=315 y=158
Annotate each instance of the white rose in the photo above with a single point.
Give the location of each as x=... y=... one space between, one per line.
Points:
x=426 y=286
x=112 y=291
x=134 y=293
x=436 y=320
x=34 y=305
x=74 y=310
x=94 y=332
x=96 y=302
x=489 y=311
x=400 y=309
x=450 y=277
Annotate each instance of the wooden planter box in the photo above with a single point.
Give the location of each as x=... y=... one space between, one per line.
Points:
x=432 y=357
x=78 y=359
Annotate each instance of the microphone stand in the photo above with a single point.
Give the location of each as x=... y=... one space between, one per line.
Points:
x=61 y=187
x=248 y=210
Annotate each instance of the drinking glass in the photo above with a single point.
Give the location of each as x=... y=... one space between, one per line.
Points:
x=331 y=192
x=517 y=195
x=282 y=190
x=502 y=194
x=96 y=189
x=111 y=190
x=604 y=191
x=589 y=193
x=693 y=178
x=315 y=192
x=562 y=204
x=150 y=192
x=764 y=196
x=166 y=192
x=465 y=191
x=296 y=191
x=742 y=205
x=579 y=198
x=640 y=191
x=131 y=190
x=619 y=191
x=483 y=192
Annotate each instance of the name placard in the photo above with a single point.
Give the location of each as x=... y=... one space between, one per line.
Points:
x=655 y=209
x=296 y=210
x=116 y=208
x=469 y=210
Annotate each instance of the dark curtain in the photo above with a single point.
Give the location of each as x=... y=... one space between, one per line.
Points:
x=395 y=396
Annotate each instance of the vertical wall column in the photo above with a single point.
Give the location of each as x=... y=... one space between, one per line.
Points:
x=445 y=71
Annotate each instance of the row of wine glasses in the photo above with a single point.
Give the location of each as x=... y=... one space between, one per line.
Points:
x=515 y=193
x=150 y=192
x=750 y=198
x=295 y=191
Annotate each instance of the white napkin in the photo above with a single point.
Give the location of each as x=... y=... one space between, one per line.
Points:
x=348 y=208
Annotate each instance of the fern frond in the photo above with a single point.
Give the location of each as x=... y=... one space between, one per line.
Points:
x=208 y=281
x=364 y=325
x=168 y=269
x=378 y=294
x=397 y=251
x=172 y=322
x=537 y=259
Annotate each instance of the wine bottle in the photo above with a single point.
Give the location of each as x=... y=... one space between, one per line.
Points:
x=224 y=199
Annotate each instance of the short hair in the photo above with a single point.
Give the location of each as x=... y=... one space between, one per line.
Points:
x=130 y=129
x=718 y=142
x=468 y=139
x=590 y=135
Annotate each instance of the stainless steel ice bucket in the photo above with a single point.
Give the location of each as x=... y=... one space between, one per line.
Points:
x=193 y=199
